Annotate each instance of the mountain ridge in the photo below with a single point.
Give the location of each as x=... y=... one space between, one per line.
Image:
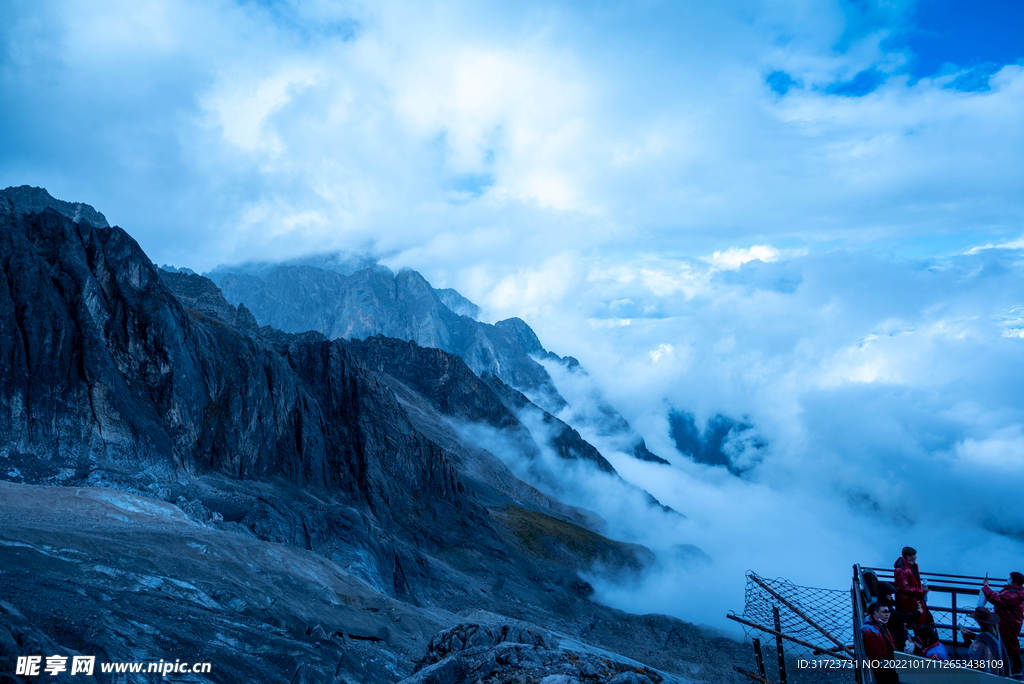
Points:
x=376 y=301
x=116 y=383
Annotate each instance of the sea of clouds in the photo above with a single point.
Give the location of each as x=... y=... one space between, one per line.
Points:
x=886 y=395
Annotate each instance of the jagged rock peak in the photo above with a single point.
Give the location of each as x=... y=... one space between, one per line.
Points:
x=377 y=301
x=26 y=199
x=175 y=269
x=457 y=303
x=200 y=294
x=523 y=334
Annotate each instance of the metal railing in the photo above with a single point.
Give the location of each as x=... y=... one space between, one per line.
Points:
x=858 y=619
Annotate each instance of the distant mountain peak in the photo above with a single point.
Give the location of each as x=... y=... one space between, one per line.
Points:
x=403 y=305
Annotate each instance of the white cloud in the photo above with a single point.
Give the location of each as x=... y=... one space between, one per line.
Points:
x=553 y=125
x=735 y=257
x=1003 y=450
x=1012 y=322
x=881 y=390
x=1010 y=244
x=533 y=291
x=663 y=350
x=241 y=106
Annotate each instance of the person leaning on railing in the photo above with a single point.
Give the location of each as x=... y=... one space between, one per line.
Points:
x=986 y=648
x=1009 y=606
x=878 y=643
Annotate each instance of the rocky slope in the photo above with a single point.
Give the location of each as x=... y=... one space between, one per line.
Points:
x=133 y=579
x=221 y=484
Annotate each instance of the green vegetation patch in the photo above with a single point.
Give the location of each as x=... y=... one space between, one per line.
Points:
x=567 y=544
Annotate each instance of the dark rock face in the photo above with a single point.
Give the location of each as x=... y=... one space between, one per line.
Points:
x=452 y=389
x=458 y=392
x=565 y=441
x=99 y=348
x=112 y=382
x=200 y=295
x=441 y=377
x=79 y=358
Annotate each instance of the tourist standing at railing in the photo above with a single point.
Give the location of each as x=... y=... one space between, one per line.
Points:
x=897 y=620
x=987 y=647
x=878 y=643
x=1009 y=606
x=911 y=592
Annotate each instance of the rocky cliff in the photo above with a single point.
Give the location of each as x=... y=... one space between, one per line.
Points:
x=112 y=380
x=189 y=445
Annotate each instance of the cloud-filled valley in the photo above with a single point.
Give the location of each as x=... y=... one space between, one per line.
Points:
x=885 y=394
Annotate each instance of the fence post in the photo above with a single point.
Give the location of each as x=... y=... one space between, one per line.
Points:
x=759 y=658
x=778 y=645
x=858 y=644
x=954 y=621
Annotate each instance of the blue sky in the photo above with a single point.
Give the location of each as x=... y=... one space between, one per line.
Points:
x=804 y=214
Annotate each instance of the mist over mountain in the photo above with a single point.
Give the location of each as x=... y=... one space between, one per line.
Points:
x=723 y=441
x=163 y=436
x=345 y=263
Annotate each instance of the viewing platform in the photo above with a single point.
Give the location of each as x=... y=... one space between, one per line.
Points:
x=805 y=634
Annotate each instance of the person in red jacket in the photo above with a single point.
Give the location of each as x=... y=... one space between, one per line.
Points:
x=910 y=591
x=1009 y=606
x=878 y=643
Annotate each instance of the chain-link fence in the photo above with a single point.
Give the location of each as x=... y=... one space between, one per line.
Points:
x=812 y=626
